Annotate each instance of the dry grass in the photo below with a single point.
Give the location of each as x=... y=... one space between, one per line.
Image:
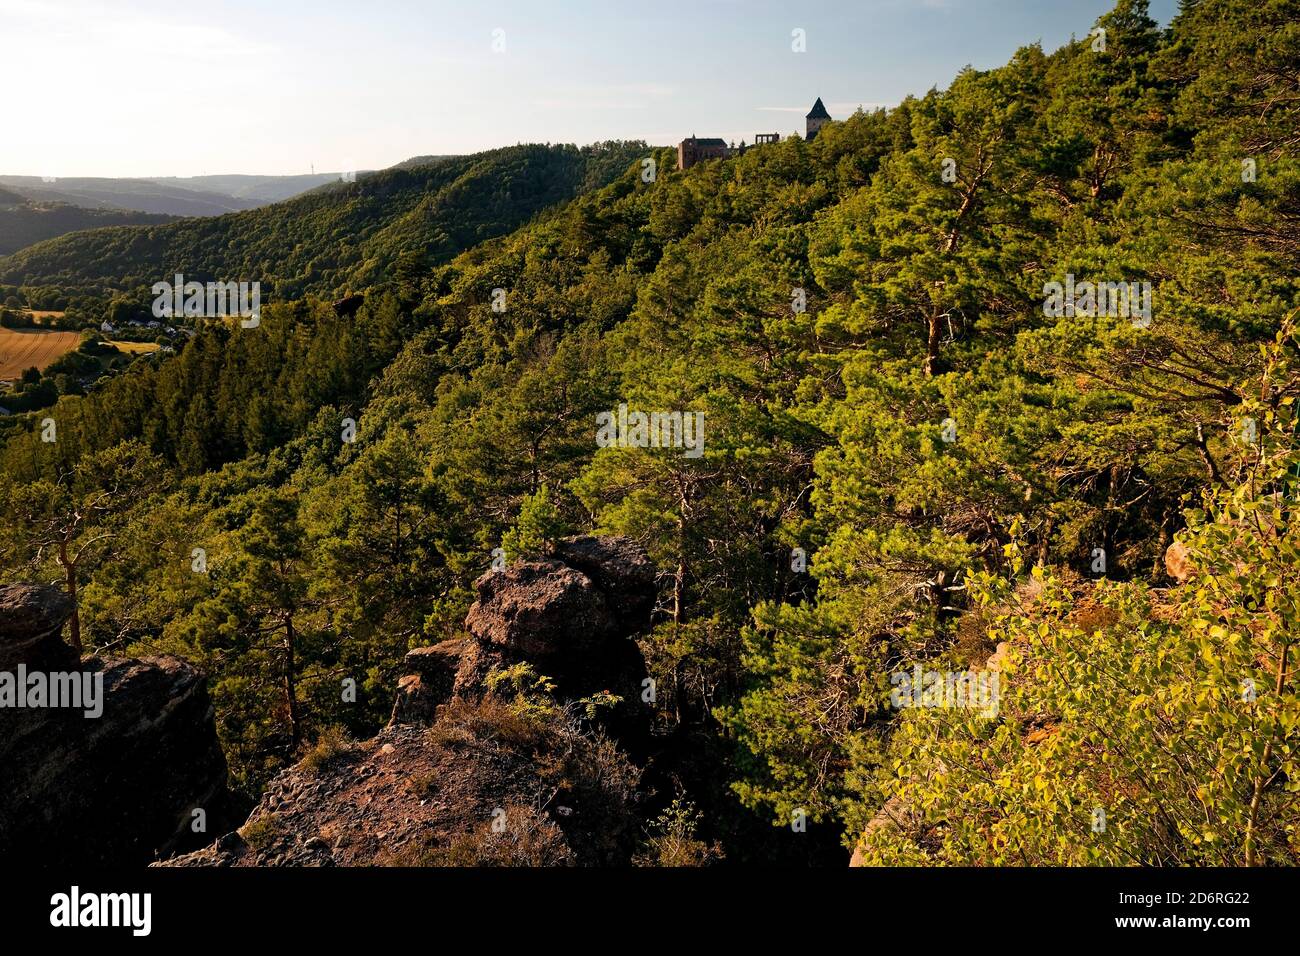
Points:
x=332 y=745
x=262 y=832
x=21 y=349
x=516 y=835
x=136 y=348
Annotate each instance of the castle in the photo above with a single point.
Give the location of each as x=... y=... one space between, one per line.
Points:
x=693 y=149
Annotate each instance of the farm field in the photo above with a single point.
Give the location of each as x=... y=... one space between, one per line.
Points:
x=135 y=348
x=20 y=349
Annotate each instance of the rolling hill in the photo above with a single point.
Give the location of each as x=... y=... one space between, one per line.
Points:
x=25 y=221
x=168 y=195
x=339 y=235
x=256 y=190
x=160 y=197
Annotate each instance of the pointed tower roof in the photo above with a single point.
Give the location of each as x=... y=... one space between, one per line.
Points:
x=818 y=111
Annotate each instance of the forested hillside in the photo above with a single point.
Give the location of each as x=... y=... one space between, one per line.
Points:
x=910 y=459
x=24 y=222
x=345 y=234
x=158 y=197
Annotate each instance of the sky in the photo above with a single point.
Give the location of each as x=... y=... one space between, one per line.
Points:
x=167 y=88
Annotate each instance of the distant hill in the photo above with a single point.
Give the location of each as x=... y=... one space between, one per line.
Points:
x=343 y=234
x=169 y=195
x=259 y=190
x=141 y=195
x=24 y=221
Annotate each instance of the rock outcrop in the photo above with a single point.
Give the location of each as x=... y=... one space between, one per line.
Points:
x=430 y=680
x=572 y=617
x=460 y=776
x=115 y=789
x=478 y=788
x=347 y=306
x=886 y=819
x=31 y=626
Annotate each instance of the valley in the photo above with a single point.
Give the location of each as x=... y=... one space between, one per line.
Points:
x=915 y=490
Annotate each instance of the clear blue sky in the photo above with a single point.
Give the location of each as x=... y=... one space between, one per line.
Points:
x=160 y=87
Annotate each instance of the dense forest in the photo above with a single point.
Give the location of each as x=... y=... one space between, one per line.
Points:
x=24 y=222
x=910 y=460
x=343 y=234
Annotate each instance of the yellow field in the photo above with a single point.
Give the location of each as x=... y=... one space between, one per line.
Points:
x=20 y=349
x=136 y=348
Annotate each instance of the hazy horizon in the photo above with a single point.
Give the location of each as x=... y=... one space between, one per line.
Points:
x=162 y=93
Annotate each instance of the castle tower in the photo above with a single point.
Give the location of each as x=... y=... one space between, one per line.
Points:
x=816 y=118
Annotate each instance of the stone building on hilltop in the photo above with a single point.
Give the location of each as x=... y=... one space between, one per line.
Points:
x=694 y=149
x=817 y=118
x=691 y=150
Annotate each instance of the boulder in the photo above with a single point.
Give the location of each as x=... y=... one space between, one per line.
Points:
x=572 y=617
x=114 y=789
x=31 y=626
x=1178 y=562
x=620 y=569
x=540 y=611
x=430 y=681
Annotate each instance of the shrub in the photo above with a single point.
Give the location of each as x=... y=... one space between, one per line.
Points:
x=332 y=745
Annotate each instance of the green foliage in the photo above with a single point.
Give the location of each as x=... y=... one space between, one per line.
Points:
x=1136 y=727
x=673 y=839
x=337 y=236
x=331 y=746
x=861 y=326
x=536 y=530
x=24 y=222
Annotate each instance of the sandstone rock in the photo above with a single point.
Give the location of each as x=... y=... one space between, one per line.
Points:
x=414 y=703
x=429 y=682
x=999 y=656
x=430 y=796
x=476 y=662
x=1178 y=562
x=438 y=665
x=886 y=818
x=427 y=788
x=620 y=569
x=117 y=789
x=539 y=611
x=31 y=625
x=573 y=618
